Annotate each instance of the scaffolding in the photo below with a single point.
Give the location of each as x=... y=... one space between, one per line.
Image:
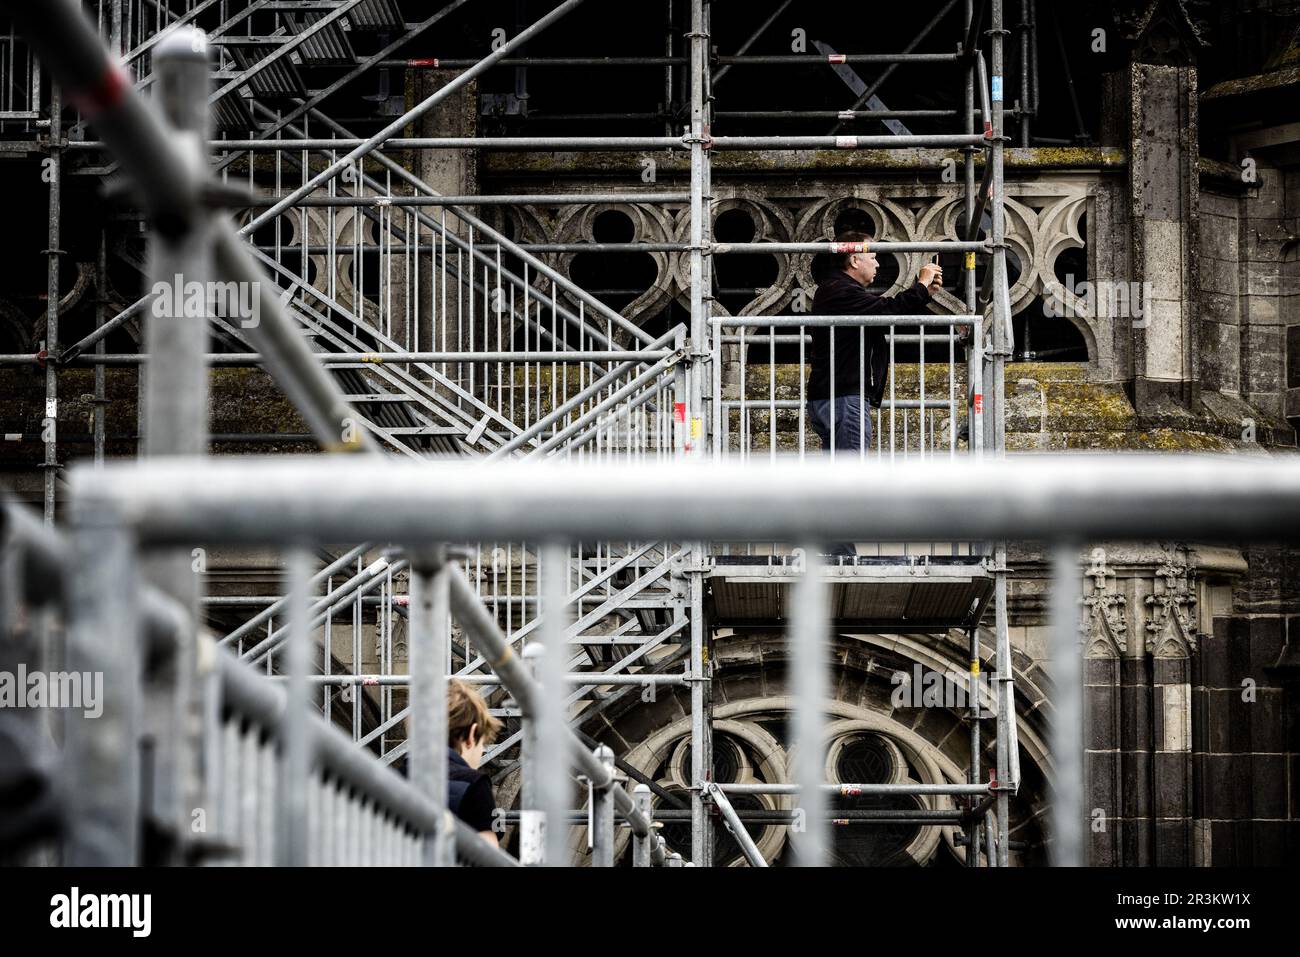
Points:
x=477 y=347
x=294 y=790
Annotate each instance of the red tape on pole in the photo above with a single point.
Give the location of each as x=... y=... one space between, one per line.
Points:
x=103 y=96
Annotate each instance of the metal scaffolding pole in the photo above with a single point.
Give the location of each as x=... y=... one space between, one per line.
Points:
x=1003 y=342
x=538 y=199
x=101 y=762
x=974 y=434
x=327 y=499
x=602 y=813
x=101 y=313
x=641 y=844
x=359 y=148
x=668 y=69
x=430 y=650
x=735 y=826
x=692 y=422
x=886 y=245
x=429 y=63
x=54 y=176
x=552 y=759
x=867 y=115
x=974 y=716
x=809 y=636
x=386 y=358
x=1067 y=844
x=176 y=423
x=1023 y=105
x=532 y=819
x=856 y=789
x=702 y=353
x=586 y=679
x=292 y=836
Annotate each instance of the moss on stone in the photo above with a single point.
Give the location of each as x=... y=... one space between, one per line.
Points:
x=784 y=161
x=1253 y=84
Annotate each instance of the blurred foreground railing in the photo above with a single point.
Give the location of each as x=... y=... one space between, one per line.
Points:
x=1064 y=501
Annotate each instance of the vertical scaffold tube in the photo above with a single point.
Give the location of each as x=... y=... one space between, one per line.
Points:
x=809 y=634
x=1002 y=345
x=1067 y=845
x=602 y=814
x=643 y=844
x=552 y=748
x=430 y=620
x=701 y=743
x=176 y=418
x=291 y=825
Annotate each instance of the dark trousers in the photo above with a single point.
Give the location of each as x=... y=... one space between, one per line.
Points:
x=852 y=423
x=853 y=432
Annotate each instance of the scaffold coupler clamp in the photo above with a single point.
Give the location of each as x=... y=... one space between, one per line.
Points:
x=426 y=558
x=704 y=139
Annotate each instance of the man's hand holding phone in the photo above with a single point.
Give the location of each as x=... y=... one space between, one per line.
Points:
x=931 y=276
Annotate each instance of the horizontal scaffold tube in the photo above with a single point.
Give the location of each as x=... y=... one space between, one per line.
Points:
x=585 y=678
x=885 y=245
x=346 y=251
x=853 y=790
x=940 y=402
x=763 y=338
x=793 y=59
x=788 y=59
x=376 y=358
x=548 y=199
x=314 y=499
x=833 y=114
x=582 y=143
x=797 y=321
x=835 y=816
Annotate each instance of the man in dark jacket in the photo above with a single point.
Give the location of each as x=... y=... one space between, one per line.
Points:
x=856 y=370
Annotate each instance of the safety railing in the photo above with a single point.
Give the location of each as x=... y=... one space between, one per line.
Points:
x=623 y=611
x=443 y=337
x=440 y=402
x=930 y=407
x=20 y=78
x=1065 y=502
x=284 y=787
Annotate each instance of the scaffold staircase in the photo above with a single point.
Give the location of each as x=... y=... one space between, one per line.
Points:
x=528 y=365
